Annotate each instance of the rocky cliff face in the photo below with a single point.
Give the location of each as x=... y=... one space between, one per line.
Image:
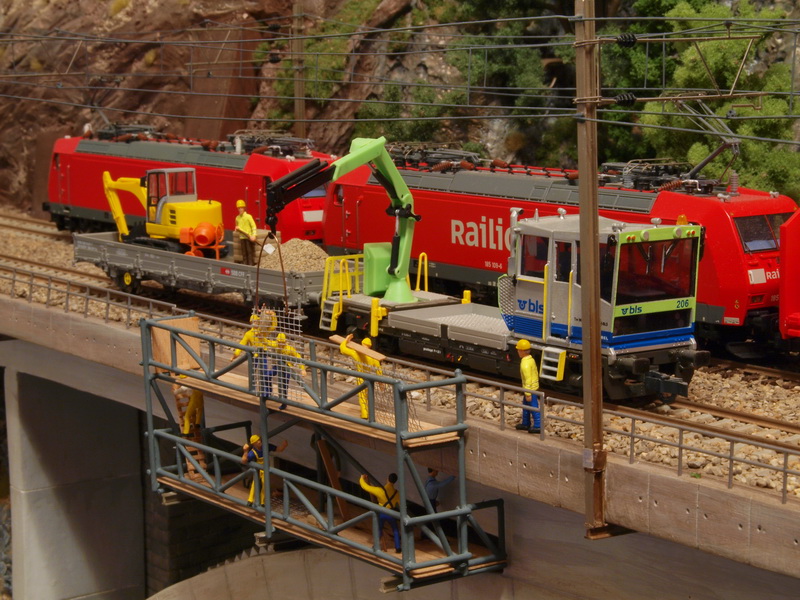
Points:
x=188 y=67
x=161 y=62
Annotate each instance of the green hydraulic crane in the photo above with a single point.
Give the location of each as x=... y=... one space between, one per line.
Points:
x=385 y=264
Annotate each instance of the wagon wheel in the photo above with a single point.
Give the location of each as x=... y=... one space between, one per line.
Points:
x=128 y=282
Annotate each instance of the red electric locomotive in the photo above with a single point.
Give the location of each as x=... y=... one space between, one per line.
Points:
x=790 y=279
x=465 y=229
x=227 y=171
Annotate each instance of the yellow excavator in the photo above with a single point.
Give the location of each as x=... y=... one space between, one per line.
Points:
x=175 y=219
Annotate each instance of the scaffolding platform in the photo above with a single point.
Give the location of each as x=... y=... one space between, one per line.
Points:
x=344 y=416
x=425 y=550
x=325 y=509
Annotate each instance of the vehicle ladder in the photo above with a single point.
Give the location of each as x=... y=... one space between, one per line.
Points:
x=553 y=360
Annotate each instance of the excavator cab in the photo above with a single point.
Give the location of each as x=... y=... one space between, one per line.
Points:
x=173 y=185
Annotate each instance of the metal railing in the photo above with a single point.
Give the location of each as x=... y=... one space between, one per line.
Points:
x=109 y=305
x=781 y=461
x=210 y=364
x=60 y=293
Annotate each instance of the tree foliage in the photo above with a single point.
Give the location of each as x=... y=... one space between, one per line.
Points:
x=325 y=53
x=403 y=113
x=496 y=68
x=500 y=60
x=760 y=164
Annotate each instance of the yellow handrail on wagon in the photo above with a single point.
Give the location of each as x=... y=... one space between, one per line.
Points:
x=422 y=264
x=341 y=282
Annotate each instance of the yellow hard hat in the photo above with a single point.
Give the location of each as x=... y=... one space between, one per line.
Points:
x=241 y=204
x=254 y=317
x=254 y=438
x=281 y=337
x=366 y=342
x=523 y=345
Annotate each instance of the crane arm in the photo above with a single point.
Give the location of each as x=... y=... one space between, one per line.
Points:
x=294 y=185
x=362 y=151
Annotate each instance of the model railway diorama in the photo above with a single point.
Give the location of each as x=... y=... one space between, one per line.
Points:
x=747 y=288
x=649 y=278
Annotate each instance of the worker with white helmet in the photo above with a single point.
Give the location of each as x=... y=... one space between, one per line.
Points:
x=246 y=228
x=530 y=383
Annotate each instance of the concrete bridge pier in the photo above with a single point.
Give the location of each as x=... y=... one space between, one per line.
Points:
x=76 y=492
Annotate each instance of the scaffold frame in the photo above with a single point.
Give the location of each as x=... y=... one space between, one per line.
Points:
x=435 y=546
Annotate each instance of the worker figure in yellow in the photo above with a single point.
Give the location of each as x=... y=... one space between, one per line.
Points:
x=388 y=497
x=246 y=228
x=281 y=352
x=194 y=409
x=254 y=452
x=261 y=326
x=364 y=364
x=530 y=383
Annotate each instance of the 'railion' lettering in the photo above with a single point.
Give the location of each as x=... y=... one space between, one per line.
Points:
x=488 y=234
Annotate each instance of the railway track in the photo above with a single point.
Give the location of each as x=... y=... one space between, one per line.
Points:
x=728 y=417
x=745 y=427
x=23 y=218
x=788 y=372
x=30 y=226
x=486 y=399
x=78 y=292
x=43 y=268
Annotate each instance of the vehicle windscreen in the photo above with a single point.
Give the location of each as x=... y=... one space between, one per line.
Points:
x=760 y=233
x=534 y=256
x=181 y=183
x=317 y=192
x=650 y=271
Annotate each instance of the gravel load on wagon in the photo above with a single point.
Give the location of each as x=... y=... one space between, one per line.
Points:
x=298 y=255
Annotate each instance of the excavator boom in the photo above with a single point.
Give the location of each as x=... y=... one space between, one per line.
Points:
x=127 y=184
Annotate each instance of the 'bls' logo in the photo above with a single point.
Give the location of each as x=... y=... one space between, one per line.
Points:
x=532 y=306
x=632 y=310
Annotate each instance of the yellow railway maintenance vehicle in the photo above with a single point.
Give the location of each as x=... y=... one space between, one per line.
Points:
x=176 y=220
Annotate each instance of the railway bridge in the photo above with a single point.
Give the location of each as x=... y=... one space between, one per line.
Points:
x=88 y=408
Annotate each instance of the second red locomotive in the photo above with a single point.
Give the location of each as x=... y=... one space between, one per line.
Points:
x=465 y=232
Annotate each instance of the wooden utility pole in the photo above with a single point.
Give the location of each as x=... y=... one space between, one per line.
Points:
x=299 y=72
x=588 y=93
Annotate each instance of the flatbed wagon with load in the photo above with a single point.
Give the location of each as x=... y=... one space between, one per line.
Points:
x=130 y=264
